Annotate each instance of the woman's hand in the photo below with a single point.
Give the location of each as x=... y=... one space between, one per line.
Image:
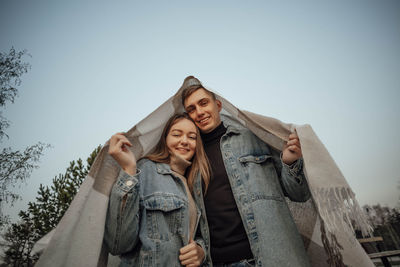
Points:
x=191 y=255
x=119 y=151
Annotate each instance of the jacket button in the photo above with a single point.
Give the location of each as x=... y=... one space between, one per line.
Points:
x=129 y=183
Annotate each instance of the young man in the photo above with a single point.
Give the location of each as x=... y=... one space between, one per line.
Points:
x=249 y=222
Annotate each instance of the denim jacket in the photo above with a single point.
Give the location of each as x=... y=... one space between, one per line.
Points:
x=147 y=218
x=260 y=182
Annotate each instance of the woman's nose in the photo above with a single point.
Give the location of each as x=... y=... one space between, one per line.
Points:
x=184 y=140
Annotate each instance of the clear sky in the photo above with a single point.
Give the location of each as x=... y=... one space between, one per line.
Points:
x=101 y=67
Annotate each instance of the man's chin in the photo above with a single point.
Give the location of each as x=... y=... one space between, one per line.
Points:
x=206 y=130
x=203 y=128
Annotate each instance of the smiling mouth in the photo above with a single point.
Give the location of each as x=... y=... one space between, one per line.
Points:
x=202 y=121
x=182 y=149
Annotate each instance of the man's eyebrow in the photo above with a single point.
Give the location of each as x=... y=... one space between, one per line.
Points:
x=190 y=106
x=204 y=98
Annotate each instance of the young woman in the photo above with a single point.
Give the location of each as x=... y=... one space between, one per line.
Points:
x=152 y=217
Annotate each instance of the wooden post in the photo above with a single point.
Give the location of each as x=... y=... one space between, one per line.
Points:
x=386 y=262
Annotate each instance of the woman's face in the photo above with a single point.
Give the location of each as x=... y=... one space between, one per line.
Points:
x=181 y=139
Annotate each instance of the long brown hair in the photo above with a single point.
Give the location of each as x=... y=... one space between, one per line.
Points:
x=200 y=162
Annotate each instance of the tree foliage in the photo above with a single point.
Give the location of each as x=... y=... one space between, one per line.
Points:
x=386 y=223
x=11 y=69
x=44 y=214
x=15 y=166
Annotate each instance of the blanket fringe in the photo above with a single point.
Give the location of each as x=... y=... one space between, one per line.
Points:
x=339 y=212
x=339 y=209
x=332 y=248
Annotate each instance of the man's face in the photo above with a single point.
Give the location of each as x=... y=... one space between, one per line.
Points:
x=203 y=110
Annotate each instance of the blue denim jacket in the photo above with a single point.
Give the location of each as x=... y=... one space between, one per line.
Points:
x=259 y=183
x=147 y=218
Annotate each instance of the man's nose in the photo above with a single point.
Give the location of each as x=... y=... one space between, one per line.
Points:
x=199 y=111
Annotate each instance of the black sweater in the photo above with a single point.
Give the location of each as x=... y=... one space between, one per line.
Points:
x=229 y=242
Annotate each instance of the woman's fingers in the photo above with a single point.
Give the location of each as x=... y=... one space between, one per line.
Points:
x=187 y=256
x=122 y=143
x=117 y=143
x=191 y=254
x=119 y=151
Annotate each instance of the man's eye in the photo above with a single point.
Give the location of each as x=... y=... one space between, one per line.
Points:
x=203 y=103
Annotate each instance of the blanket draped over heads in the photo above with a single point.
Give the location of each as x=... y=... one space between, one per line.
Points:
x=326 y=222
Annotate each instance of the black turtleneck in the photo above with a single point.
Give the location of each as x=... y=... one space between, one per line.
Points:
x=229 y=242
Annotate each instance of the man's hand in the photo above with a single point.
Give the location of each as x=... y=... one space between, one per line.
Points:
x=119 y=151
x=292 y=150
x=191 y=255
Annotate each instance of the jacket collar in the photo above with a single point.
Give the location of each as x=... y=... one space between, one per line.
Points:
x=232 y=127
x=163 y=168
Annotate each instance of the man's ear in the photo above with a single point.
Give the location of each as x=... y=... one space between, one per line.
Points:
x=219 y=105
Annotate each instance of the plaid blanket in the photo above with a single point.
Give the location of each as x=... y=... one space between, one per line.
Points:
x=326 y=222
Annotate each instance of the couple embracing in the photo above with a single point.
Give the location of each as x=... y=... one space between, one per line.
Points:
x=214 y=186
x=211 y=193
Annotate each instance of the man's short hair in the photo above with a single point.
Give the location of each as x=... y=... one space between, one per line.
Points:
x=192 y=85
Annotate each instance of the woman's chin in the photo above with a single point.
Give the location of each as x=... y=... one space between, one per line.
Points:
x=183 y=156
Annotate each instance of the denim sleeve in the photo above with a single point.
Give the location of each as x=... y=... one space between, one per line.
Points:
x=122 y=221
x=200 y=241
x=292 y=179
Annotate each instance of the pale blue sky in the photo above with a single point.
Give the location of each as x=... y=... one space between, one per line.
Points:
x=100 y=67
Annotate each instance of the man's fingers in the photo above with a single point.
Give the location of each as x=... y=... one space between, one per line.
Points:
x=293 y=136
x=294 y=142
x=294 y=149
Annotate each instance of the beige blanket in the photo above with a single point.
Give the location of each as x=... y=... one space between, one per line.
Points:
x=325 y=222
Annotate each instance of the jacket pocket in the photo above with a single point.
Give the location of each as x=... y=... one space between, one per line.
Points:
x=164 y=215
x=254 y=159
x=261 y=176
